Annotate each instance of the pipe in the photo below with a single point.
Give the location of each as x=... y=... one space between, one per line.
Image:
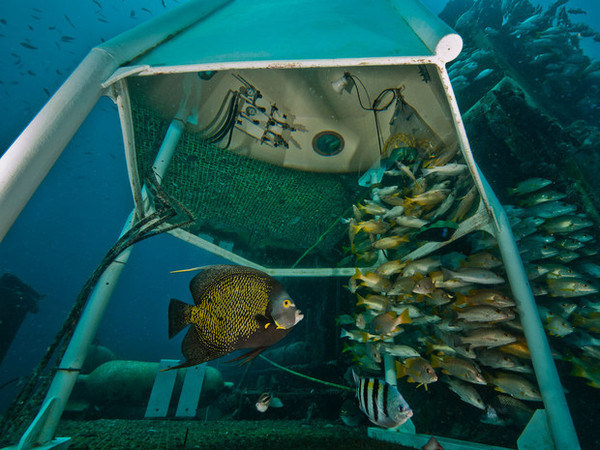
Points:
x=29 y=159
x=86 y=329
x=557 y=411
x=438 y=37
x=559 y=418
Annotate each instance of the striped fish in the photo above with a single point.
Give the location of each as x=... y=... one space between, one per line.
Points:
x=381 y=402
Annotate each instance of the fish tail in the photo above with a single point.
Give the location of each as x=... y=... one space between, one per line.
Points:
x=361 y=300
x=179 y=316
x=447 y=274
x=461 y=300
x=436 y=361
x=404 y=317
x=400 y=370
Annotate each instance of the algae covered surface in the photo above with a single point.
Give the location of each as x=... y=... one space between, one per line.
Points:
x=192 y=434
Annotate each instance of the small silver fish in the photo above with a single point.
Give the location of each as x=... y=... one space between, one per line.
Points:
x=529 y=185
x=265 y=400
x=473 y=275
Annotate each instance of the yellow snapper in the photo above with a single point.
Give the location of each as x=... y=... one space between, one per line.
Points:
x=374 y=302
x=428 y=199
x=372 y=209
x=482 y=260
x=472 y=275
x=529 y=185
x=387 y=322
x=590 y=320
x=515 y=386
x=234 y=307
x=487 y=337
x=518 y=349
x=466 y=392
x=464 y=205
x=372 y=226
x=388 y=242
x=389 y=268
x=484 y=297
x=484 y=313
x=358 y=335
x=461 y=368
x=418 y=370
x=399 y=350
x=372 y=280
x=569 y=287
x=586 y=368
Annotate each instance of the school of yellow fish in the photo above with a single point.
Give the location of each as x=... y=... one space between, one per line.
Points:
x=449 y=315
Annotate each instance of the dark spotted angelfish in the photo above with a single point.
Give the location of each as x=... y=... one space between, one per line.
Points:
x=381 y=402
x=235 y=307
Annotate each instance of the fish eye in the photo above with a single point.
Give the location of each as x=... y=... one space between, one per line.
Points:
x=287 y=303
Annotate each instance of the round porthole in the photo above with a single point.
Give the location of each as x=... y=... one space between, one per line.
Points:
x=328 y=143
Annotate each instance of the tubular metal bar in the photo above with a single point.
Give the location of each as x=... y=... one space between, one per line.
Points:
x=559 y=418
x=557 y=411
x=64 y=380
x=74 y=356
x=28 y=160
x=123 y=101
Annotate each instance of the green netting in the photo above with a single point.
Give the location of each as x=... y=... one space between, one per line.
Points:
x=251 y=203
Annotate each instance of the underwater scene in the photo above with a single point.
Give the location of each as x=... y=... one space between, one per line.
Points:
x=240 y=250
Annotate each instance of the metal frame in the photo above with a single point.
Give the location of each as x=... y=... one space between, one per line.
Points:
x=28 y=160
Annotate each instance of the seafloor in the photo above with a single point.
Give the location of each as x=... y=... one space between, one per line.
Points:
x=191 y=434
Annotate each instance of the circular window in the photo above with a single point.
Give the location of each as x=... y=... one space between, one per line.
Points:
x=328 y=143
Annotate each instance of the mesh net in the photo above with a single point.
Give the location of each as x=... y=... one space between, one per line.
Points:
x=257 y=206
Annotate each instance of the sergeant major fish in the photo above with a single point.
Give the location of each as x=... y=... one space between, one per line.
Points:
x=234 y=307
x=381 y=402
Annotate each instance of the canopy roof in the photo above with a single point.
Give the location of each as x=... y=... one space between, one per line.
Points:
x=288 y=30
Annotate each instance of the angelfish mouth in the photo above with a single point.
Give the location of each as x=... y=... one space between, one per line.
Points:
x=299 y=317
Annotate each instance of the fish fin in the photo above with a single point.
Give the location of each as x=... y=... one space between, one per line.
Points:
x=187 y=270
x=461 y=300
x=361 y=300
x=400 y=370
x=447 y=274
x=179 y=316
x=180 y=366
x=436 y=361
x=263 y=321
x=194 y=350
x=365 y=336
x=247 y=357
x=405 y=317
x=276 y=403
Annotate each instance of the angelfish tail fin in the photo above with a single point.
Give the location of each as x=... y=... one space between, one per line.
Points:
x=179 y=316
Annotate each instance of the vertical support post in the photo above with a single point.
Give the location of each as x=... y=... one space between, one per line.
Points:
x=86 y=329
x=557 y=411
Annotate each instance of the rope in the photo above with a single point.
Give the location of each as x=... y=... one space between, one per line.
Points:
x=301 y=375
x=22 y=410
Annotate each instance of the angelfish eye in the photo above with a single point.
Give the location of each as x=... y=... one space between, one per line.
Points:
x=287 y=303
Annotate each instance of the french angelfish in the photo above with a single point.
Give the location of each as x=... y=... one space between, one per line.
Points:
x=234 y=307
x=381 y=402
